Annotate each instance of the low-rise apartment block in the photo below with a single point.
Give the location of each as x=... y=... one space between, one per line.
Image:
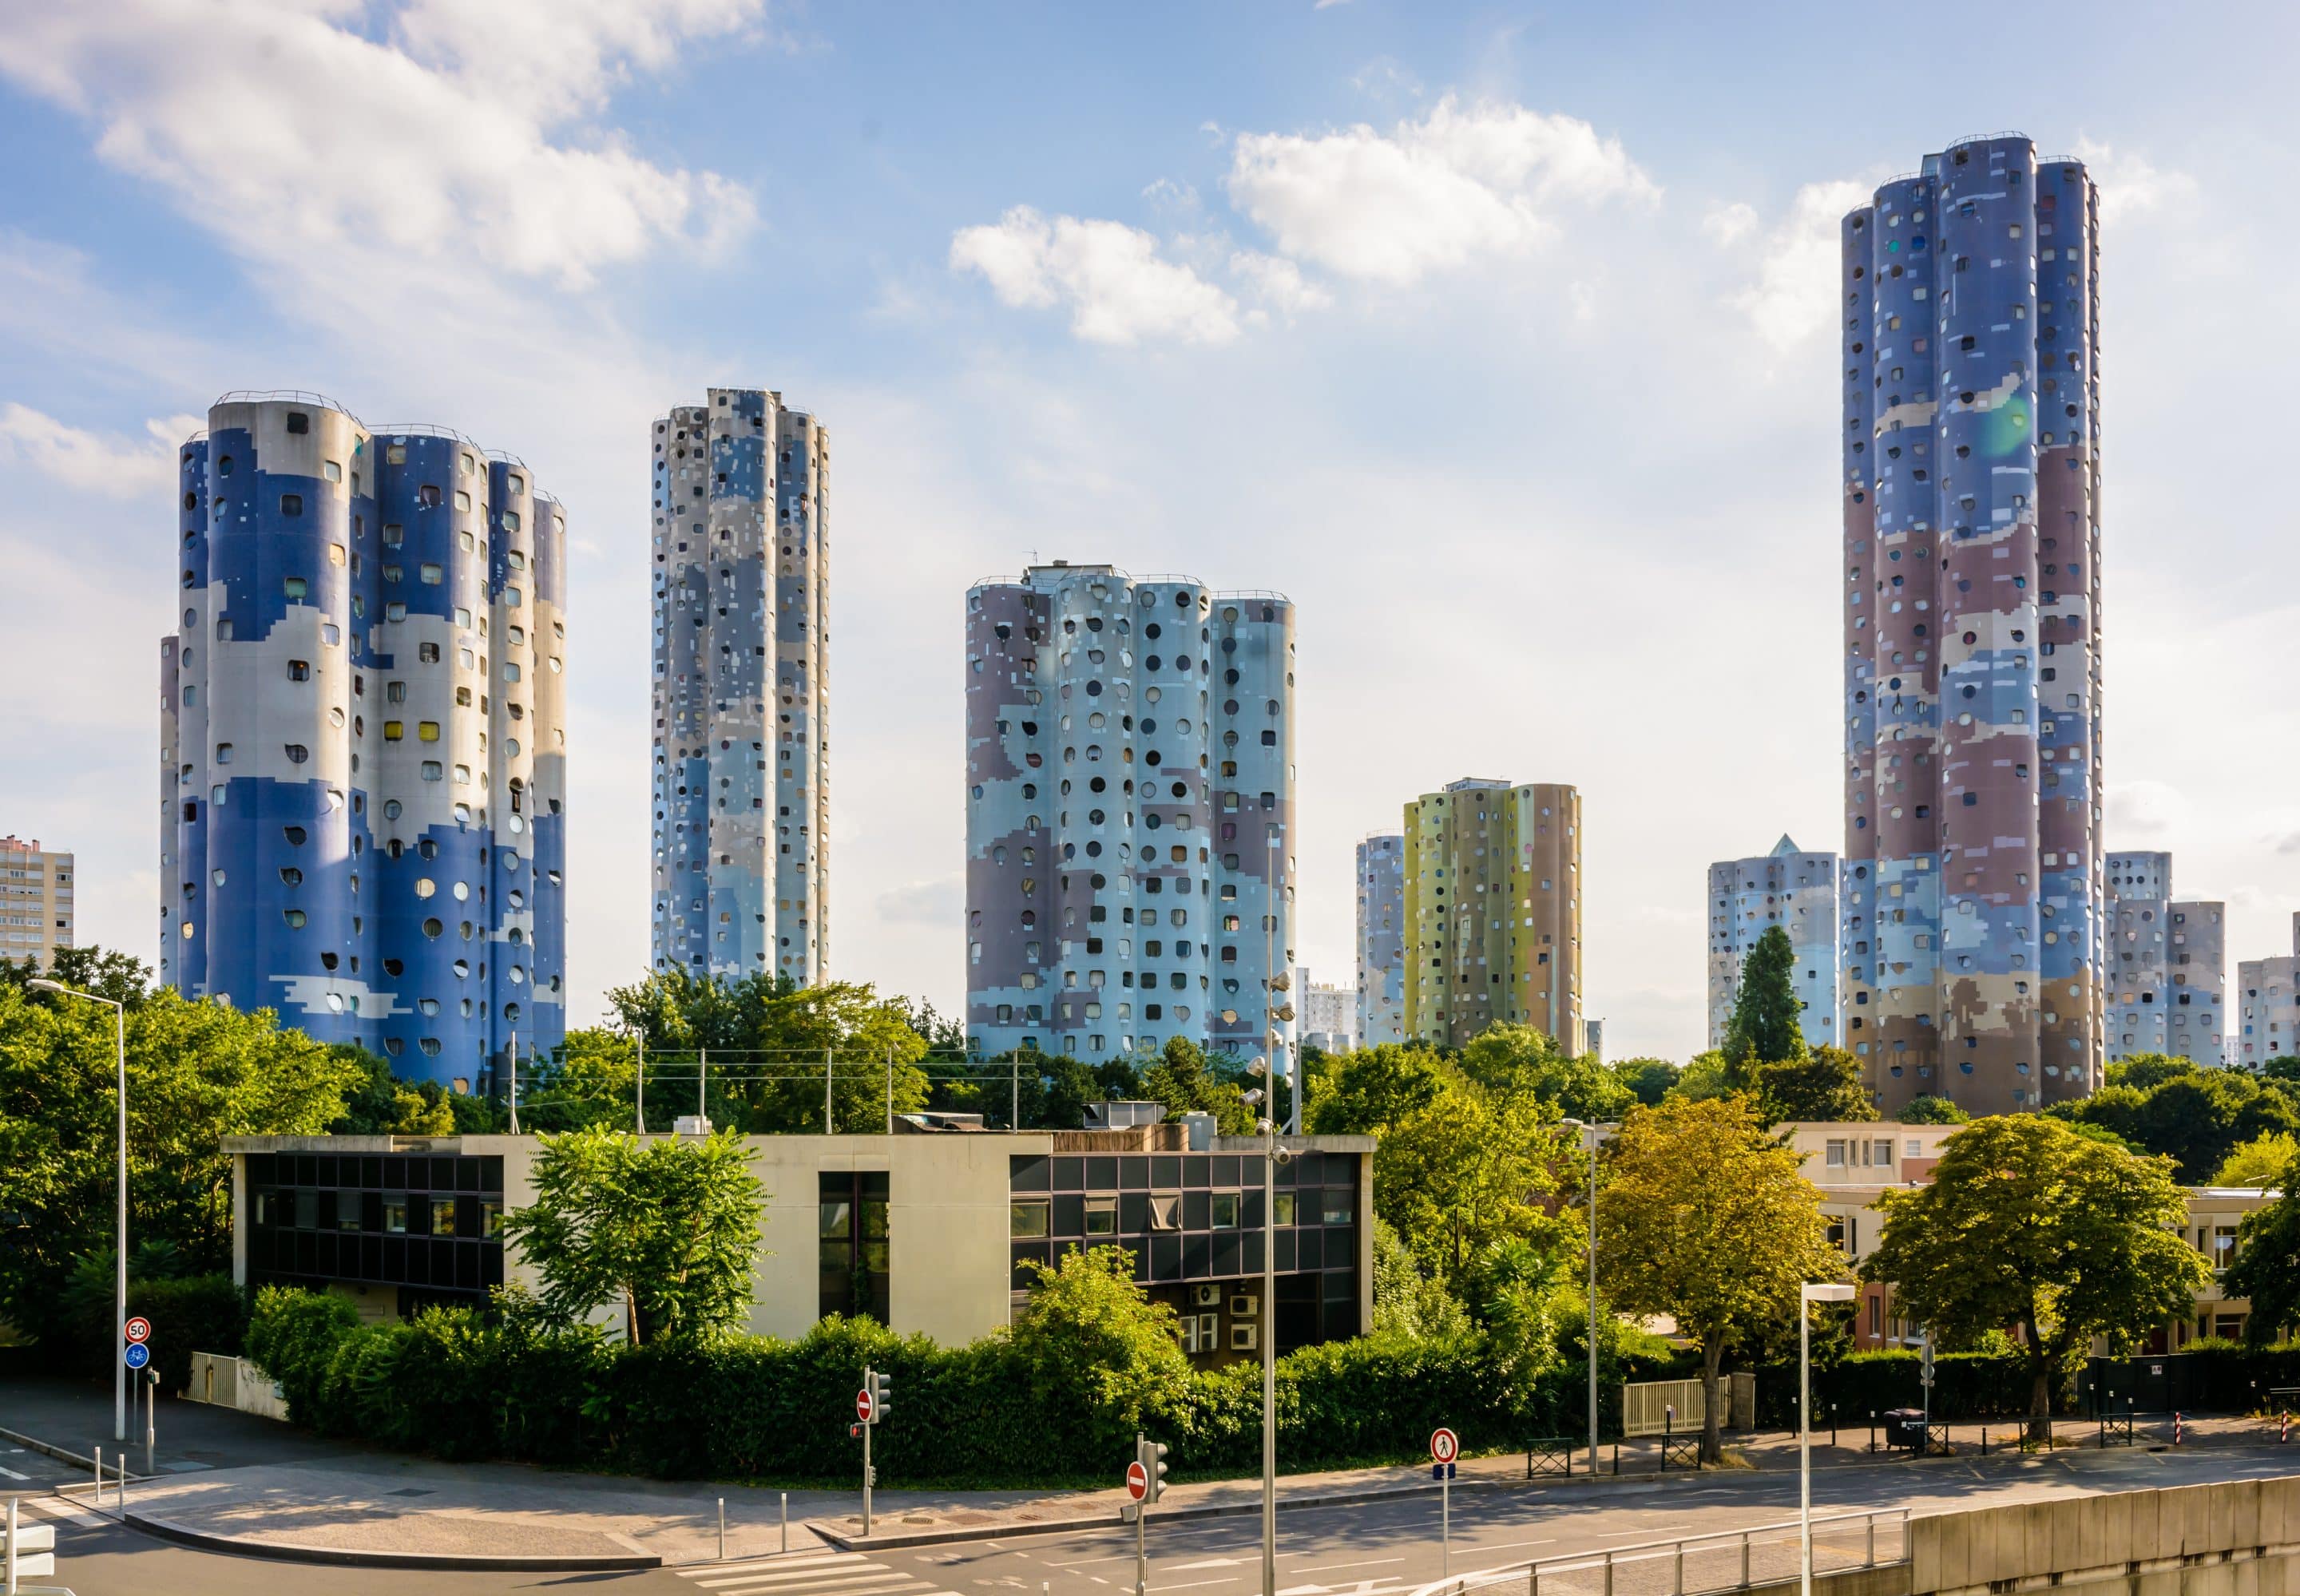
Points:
x=35 y=901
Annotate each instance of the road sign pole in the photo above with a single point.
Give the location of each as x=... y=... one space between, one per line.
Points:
x=1446 y=1525
x=867 y=1427
x=1141 y=1511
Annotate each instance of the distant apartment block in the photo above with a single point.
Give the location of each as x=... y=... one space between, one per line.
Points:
x=1796 y=891
x=35 y=901
x=1493 y=911
x=741 y=735
x=2166 y=965
x=2268 y=1017
x=363 y=737
x=1329 y=1014
x=1130 y=815
x=1381 y=939
x=1968 y=311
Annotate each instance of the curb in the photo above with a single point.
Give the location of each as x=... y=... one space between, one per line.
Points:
x=76 y=1460
x=280 y=1551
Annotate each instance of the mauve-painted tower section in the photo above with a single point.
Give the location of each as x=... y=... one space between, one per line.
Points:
x=363 y=737
x=742 y=802
x=1381 y=939
x=1130 y=815
x=1973 y=891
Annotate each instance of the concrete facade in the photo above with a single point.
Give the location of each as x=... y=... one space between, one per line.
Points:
x=2268 y=1008
x=1381 y=939
x=1329 y=1013
x=1796 y=891
x=939 y=1224
x=35 y=901
x=2166 y=965
x=742 y=701
x=1130 y=815
x=364 y=738
x=1493 y=911
x=1973 y=894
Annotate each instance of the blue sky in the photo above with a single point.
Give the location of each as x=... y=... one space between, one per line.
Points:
x=1498 y=337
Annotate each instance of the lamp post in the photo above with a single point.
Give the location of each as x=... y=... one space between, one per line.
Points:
x=120 y=1254
x=1273 y=1156
x=1808 y=1293
x=1592 y=1137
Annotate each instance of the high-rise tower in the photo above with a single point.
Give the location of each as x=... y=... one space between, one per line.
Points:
x=1796 y=891
x=1974 y=890
x=2166 y=965
x=363 y=737
x=742 y=605
x=1493 y=912
x=1381 y=939
x=1130 y=815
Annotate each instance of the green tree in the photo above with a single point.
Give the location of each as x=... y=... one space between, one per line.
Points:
x=196 y=1072
x=2267 y=1266
x=1764 y=1028
x=1372 y=1090
x=2145 y=1072
x=1519 y=1058
x=1464 y=1170
x=1090 y=1342
x=1185 y=1081
x=2195 y=1116
x=1406 y=1302
x=2025 y=1224
x=382 y=1104
x=2260 y=1162
x=1825 y=1085
x=667 y=1228
x=103 y=972
x=1704 y=1074
x=1703 y=1215
x=1929 y=1107
x=1649 y=1080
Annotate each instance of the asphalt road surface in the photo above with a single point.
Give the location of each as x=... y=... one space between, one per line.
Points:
x=1363 y=1549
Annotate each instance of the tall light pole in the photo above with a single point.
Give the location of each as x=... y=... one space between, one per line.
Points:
x=1808 y=1293
x=119 y=1244
x=1592 y=1138
x=1273 y=1156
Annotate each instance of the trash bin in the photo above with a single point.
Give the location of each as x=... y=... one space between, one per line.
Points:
x=1905 y=1426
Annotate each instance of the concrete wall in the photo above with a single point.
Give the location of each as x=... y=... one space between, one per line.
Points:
x=2238 y=1537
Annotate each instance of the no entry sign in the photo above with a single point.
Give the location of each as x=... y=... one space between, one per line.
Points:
x=1138 y=1481
x=862 y=1405
x=1444 y=1446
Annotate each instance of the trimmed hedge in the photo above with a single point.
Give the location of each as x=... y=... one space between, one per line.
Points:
x=2209 y=1377
x=754 y=1408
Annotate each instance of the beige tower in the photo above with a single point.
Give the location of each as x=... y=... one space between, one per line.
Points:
x=1493 y=911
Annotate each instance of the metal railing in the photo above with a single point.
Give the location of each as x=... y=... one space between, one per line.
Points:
x=1694 y=1564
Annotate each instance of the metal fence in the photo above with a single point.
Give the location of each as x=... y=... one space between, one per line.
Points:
x=1693 y=1565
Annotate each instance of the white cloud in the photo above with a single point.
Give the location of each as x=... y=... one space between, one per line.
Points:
x=445 y=134
x=2131 y=184
x=941 y=902
x=1461 y=184
x=116 y=467
x=2144 y=809
x=1278 y=284
x=1728 y=225
x=1111 y=276
x=1794 y=296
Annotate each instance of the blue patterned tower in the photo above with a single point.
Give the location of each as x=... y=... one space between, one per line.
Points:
x=1130 y=752
x=363 y=737
x=1973 y=865
x=1747 y=897
x=742 y=803
x=1381 y=939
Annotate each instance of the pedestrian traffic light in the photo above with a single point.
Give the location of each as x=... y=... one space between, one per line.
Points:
x=881 y=1386
x=1152 y=1456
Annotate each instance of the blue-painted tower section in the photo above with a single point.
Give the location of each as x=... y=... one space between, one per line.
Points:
x=364 y=738
x=1973 y=865
x=741 y=801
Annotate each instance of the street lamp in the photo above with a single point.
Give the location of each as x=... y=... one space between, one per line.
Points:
x=1592 y=1137
x=1273 y=1156
x=119 y=1257
x=1808 y=1293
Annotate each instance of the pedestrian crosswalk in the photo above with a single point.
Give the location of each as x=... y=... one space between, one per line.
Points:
x=822 y=1574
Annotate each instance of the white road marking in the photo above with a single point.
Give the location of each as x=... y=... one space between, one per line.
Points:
x=1209 y=1563
x=1506 y=1545
x=757 y=1585
x=1090 y=1562
x=1192 y=1584
x=12 y=1474
x=1329 y=1567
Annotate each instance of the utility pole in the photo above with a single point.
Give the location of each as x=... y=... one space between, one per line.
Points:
x=826 y=1092
x=890 y=1091
x=701 y=1075
x=512 y=1054
x=639 y=1109
x=1014 y=1102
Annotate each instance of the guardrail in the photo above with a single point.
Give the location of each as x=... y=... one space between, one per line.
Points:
x=1695 y=1565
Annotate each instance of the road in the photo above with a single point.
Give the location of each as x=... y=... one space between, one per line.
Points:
x=1364 y=1549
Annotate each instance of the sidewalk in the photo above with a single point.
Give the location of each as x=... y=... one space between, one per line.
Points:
x=257 y=1486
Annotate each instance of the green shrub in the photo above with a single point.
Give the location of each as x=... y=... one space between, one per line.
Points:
x=294 y=1336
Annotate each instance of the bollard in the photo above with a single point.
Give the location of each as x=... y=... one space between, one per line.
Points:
x=2176 y=1427
x=723 y=1529
x=119 y=1482
x=786 y=1521
x=99 y=1476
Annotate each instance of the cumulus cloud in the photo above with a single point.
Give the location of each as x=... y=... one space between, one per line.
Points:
x=1461 y=184
x=117 y=467
x=441 y=132
x=2131 y=184
x=1118 y=288
x=1278 y=284
x=941 y=902
x=1794 y=298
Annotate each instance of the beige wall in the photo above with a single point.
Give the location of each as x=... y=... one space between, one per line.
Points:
x=35 y=901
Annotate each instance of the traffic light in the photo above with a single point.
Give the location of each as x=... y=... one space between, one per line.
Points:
x=881 y=1386
x=1152 y=1456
